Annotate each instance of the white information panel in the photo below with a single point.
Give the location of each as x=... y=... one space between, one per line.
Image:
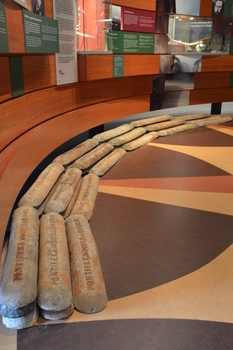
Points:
x=66 y=59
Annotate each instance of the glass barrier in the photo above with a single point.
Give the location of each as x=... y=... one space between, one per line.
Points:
x=188 y=34
x=93 y=26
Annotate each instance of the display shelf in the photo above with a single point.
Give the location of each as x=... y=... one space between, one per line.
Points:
x=95 y=52
x=191 y=35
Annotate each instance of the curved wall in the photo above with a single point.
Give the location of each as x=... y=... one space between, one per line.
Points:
x=46 y=116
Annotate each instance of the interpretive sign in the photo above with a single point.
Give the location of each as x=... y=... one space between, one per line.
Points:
x=118 y=66
x=134 y=20
x=200 y=30
x=4 y=45
x=40 y=33
x=66 y=60
x=126 y=42
x=137 y=20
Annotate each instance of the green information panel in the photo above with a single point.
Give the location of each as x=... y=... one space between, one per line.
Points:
x=40 y=33
x=231 y=46
x=228 y=8
x=231 y=80
x=4 y=45
x=16 y=72
x=127 y=42
x=118 y=66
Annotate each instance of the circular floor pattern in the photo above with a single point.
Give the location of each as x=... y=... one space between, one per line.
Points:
x=149 y=244
x=143 y=244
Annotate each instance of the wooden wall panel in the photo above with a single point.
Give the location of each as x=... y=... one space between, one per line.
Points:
x=14 y=19
x=211 y=80
x=82 y=68
x=39 y=142
x=211 y=96
x=5 y=80
x=95 y=67
x=25 y=112
x=149 y=5
x=141 y=64
x=48 y=8
x=219 y=63
x=206 y=8
x=39 y=72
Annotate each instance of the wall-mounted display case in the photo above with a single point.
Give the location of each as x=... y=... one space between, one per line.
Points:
x=188 y=34
x=93 y=24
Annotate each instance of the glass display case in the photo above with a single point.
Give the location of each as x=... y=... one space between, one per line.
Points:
x=93 y=24
x=189 y=34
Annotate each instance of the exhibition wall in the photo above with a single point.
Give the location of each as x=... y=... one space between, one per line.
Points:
x=37 y=115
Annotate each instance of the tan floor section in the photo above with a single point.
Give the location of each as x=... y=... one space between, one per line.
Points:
x=8 y=337
x=221 y=128
x=221 y=203
x=217 y=184
x=220 y=157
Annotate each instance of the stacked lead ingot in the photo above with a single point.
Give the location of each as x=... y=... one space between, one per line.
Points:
x=85 y=202
x=69 y=157
x=62 y=195
x=41 y=188
x=54 y=283
x=89 y=291
x=18 y=289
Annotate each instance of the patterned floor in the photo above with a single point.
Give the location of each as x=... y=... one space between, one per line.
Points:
x=163 y=224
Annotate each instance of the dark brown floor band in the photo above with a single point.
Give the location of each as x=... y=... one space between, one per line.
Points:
x=157 y=163
x=143 y=245
x=144 y=334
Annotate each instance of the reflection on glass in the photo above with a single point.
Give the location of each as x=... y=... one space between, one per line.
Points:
x=179 y=82
x=188 y=7
x=195 y=34
x=93 y=24
x=175 y=64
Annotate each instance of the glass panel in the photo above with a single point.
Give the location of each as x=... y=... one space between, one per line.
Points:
x=93 y=24
x=194 y=34
x=188 y=7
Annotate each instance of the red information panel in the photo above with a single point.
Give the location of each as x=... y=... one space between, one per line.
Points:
x=137 y=20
